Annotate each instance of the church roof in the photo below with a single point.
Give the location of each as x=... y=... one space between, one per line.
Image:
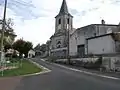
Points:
x=64 y=9
x=37 y=47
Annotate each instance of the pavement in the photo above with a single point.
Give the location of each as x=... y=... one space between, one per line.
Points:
x=111 y=74
x=9 y=83
x=61 y=78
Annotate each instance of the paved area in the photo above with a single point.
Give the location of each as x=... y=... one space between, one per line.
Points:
x=64 y=79
x=112 y=74
x=9 y=83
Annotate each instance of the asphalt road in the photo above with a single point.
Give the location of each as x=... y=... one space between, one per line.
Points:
x=63 y=79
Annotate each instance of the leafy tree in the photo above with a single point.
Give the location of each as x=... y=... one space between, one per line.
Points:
x=27 y=46
x=8 y=34
x=22 y=46
x=19 y=45
x=7 y=46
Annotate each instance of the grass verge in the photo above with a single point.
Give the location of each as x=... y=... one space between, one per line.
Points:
x=26 y=68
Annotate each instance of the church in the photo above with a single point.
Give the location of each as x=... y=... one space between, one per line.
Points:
x=94 y=39
x=63 y=23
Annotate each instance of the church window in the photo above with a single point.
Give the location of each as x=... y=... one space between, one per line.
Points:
x=59 y=21
x=58 y=44
x=68 y=21
x=94 y=34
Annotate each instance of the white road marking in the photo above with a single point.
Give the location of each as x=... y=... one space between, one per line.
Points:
x=43 y=60
x=89 y=73
x=43 y=72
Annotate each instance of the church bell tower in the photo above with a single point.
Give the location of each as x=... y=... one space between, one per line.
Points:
x=64 y=20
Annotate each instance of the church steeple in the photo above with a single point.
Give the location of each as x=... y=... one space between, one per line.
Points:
x=64 y=9
x=63 y=20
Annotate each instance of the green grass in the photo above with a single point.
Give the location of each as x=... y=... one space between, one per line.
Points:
x=27 y=68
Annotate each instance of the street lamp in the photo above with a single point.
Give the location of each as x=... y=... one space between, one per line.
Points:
x=2 y=34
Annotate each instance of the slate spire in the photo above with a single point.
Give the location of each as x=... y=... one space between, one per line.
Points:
x=64 y=8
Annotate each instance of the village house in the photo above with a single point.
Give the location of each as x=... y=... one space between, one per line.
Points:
x=31 y=53
x=81 y=39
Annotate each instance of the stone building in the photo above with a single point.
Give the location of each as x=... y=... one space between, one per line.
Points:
x=63 y=23
x=78 y=43
x=37 y=50
x=78 y=38
x=103 y=44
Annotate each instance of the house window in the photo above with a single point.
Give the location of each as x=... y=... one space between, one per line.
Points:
x=68 y=21
x=59 y=21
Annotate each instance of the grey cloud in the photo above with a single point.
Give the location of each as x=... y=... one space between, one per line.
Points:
x=93 y=9
x=73 y=11
x=84 y=12
x=116 y=2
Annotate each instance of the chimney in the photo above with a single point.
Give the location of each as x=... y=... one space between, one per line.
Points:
x=103 y=21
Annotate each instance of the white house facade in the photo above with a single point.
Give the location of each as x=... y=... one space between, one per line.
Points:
x=31 y=53
x=104 y=44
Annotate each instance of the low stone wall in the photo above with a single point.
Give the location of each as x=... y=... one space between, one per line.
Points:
x=85 y=59
x=80 y=59
x=112 y=63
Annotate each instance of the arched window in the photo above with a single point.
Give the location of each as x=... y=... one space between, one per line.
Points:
x=58 y=44
x=68 y=21
x=59 y=21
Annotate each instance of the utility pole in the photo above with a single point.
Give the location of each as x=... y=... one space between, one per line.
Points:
x=68 y=37
x=2 y=34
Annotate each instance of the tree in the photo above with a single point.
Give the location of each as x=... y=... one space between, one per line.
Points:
x=7 y=46
x=27 y=46
x=22 y=46
x=19 y=46
x=8 y=33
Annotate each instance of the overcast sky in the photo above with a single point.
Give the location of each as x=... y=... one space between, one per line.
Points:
x=34 y=19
